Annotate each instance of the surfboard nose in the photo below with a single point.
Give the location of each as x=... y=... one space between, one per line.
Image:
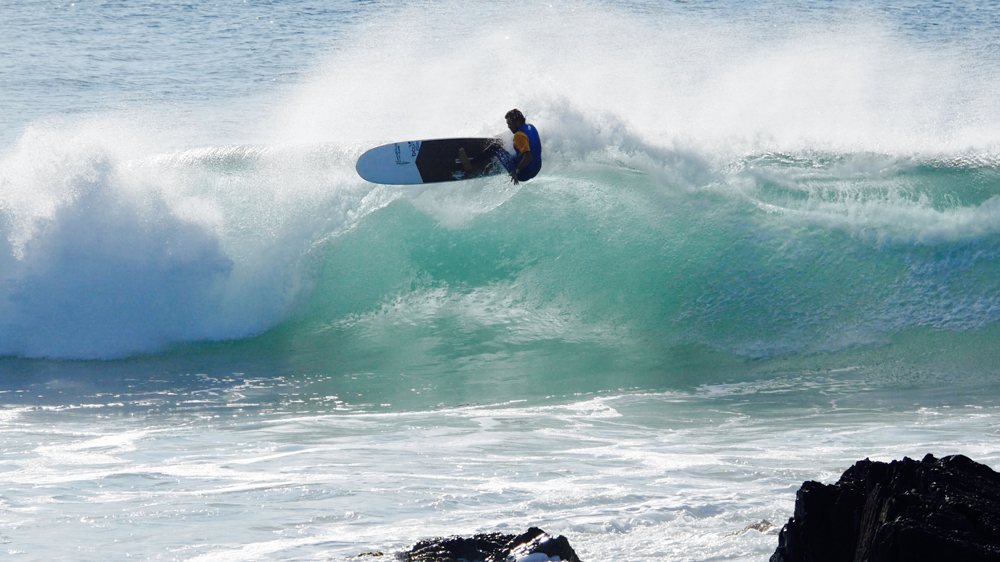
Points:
x=394 y=163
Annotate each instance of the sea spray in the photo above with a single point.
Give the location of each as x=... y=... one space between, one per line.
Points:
x=116 y=248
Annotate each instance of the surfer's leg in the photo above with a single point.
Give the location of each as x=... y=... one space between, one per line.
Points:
x=504 y=157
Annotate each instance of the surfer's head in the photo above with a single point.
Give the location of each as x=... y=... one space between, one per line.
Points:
x=514 y=120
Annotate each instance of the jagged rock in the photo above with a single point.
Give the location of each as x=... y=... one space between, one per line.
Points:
x=535 y=545
x=933 y=510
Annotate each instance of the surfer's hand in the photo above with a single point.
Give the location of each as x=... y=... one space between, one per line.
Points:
x=513 y=177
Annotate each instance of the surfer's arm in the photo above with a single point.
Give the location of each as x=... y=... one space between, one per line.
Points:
x=524 y=149
x=525 y=160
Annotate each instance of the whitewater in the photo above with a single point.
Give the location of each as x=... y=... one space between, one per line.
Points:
x=764 y=245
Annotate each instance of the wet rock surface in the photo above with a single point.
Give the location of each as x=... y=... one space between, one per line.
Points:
x=535 y=545
x=905 y=511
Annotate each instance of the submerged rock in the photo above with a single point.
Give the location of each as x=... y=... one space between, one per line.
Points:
x=535 y=545
x=904 y=511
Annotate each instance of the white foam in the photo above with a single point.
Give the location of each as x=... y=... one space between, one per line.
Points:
x=110 y=247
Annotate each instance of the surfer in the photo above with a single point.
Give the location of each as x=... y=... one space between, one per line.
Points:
x=527 y=161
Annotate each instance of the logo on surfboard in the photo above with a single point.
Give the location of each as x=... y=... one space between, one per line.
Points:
x=414 y=147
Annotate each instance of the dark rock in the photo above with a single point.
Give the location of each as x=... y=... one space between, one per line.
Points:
x=490 y=547
x=904 y=511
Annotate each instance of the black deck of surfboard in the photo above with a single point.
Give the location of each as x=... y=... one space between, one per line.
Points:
x=438 y=159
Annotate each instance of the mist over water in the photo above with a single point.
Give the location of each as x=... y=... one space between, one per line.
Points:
x=763 y=246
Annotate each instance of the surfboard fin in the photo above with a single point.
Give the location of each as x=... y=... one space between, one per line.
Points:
x=465 y=159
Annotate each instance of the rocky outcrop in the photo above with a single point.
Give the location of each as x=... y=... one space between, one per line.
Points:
x=533 y=546
x=932 y=510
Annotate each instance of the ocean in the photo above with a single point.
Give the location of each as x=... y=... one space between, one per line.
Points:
x=764 y=245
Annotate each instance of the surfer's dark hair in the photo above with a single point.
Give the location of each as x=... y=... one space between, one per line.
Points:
x=515 y=115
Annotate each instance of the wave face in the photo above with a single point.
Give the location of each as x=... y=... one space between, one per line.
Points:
x=718 y=199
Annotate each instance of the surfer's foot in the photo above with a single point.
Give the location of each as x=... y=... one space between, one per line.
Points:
x=465 y=159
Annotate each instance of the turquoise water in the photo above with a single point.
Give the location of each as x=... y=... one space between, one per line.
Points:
x=764 y=245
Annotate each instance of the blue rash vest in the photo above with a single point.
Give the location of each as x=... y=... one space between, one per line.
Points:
x=534 y=146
